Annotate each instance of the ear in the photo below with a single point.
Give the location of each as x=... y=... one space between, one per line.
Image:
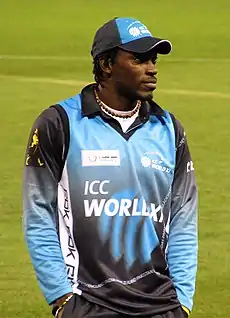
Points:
x=106 y=66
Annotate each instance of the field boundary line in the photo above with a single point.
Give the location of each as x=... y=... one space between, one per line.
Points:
x=87 y=58
x=47 y=80
x=44 y=57
x=73 y=83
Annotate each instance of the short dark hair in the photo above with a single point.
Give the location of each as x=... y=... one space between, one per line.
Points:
x=108 y=56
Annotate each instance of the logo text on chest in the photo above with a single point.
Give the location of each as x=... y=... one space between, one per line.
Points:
x=123 y=207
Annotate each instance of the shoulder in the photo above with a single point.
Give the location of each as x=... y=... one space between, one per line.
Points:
x=177 y=124
x=50 y=116
x=179 y=129
x=49 y=140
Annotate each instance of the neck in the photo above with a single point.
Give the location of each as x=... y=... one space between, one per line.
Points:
x=110 y=97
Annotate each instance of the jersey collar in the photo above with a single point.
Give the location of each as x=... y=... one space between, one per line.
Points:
x=90 y=107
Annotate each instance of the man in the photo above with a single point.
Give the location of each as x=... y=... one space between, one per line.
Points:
x=110 y=197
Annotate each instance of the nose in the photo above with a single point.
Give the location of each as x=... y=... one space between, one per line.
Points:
x=151 y=68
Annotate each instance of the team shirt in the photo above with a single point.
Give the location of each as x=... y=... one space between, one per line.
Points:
x=110 y=214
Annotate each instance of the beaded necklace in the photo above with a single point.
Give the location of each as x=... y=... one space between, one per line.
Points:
x=117 y=113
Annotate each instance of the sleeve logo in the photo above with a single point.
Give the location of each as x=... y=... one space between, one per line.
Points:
x=33 y=156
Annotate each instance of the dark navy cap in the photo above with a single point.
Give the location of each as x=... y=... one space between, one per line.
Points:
x=128 y=34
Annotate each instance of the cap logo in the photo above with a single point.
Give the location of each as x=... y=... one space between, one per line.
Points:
x=131 y=30
x=138 y=30
x=134 y=31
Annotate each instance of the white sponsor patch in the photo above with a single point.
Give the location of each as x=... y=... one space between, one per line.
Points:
x=100 y=158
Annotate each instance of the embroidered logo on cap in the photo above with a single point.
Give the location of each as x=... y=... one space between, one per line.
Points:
x=134 y=31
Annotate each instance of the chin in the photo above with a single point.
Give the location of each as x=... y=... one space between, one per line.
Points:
x=145 y=96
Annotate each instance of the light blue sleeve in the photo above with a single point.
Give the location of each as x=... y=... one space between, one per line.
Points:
x=183 y=242
x=39 y=223
x=42 y=171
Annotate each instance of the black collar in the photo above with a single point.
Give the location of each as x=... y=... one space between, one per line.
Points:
x=90 y=107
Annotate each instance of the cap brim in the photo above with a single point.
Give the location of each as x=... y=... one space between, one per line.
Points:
x=146 y=44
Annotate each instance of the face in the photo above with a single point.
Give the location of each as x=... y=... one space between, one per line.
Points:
x=134 y=75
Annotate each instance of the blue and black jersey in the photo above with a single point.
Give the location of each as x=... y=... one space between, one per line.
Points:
x=111 y=216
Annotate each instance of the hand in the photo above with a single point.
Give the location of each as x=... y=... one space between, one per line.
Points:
x=60 y=314
x=61 y=300
x=59 y=305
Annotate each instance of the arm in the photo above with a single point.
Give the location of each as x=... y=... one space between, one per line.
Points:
x=43 y=167
x=183 y=245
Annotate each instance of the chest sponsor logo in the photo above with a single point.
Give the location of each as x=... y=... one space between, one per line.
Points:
x=97 y=158
x=156 y=161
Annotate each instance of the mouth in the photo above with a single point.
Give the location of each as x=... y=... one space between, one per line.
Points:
x=150 y=85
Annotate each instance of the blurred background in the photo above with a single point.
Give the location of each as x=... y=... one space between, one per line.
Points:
x=45 y=57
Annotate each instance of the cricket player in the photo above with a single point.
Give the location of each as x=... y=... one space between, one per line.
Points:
x=110 y=198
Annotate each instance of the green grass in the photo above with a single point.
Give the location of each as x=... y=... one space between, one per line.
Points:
x=199 y=63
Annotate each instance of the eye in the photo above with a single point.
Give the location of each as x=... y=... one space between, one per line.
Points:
x=137 y=60
x=143 y=58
